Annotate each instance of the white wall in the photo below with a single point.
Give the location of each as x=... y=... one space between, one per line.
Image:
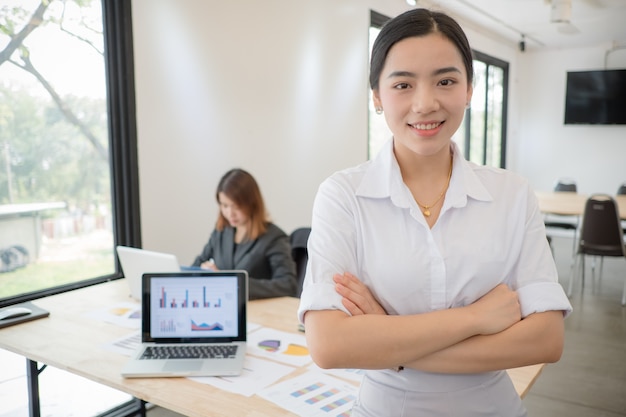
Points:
x=277 y=87
x=546 y=149
x=280 y=88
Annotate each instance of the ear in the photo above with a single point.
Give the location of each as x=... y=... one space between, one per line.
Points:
x=470 y=92
x=376 y=99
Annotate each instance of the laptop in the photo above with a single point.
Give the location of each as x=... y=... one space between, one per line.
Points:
x=135 y=262
x=202 y=312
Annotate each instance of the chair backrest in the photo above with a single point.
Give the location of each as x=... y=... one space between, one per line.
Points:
x=566 y=185
x=299 y=253
x=601 y=232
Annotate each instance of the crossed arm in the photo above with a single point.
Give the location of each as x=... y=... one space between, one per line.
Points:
x=486 y=335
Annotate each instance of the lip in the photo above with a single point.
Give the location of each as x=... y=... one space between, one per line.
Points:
x=429 y=128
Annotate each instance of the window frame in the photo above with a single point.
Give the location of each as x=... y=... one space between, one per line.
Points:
x=122 y=136
x=504 y=66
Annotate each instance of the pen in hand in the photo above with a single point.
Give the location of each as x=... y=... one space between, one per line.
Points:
x=210 y=265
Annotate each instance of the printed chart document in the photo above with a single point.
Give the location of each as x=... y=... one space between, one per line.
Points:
x=285 y=347
x=355 y=375
x=313 y=394
x=125 y=314
x=257 y=374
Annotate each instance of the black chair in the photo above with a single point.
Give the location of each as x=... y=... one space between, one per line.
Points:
x=300 y=253
x=622 y=191
x=568 y=223
x=601 y=235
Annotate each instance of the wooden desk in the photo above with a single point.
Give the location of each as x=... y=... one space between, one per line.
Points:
x=72 y=341
x=572 y=204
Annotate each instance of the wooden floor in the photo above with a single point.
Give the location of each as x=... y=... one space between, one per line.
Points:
x=589 y=380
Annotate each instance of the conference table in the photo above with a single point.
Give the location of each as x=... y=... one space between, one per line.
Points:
x=72 y=340
x=566 y=203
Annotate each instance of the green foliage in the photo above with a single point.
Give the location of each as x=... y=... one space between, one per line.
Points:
x=44 y=155
x=48 y=158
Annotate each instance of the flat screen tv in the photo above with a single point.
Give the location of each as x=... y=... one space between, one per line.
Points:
x=596 y=97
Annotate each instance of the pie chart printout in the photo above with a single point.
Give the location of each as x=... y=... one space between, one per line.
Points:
x=270 y=345
x=275 y=346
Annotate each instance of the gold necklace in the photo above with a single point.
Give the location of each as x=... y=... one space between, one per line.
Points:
x=426 y=209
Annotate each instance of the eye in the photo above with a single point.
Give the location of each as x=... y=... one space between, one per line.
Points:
x=447 y=82
x=401 y=86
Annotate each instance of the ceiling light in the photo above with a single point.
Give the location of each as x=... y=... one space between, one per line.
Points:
x=561 y=11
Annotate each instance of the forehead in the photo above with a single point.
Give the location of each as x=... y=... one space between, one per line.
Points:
x=423 y=53
x=223 y=198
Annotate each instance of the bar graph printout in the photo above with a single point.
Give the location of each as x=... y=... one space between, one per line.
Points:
x=188 y=308
x=313 y=394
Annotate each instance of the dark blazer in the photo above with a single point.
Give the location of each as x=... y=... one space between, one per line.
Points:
x=267 y=260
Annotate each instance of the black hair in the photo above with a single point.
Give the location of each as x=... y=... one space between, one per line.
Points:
x=416 y=23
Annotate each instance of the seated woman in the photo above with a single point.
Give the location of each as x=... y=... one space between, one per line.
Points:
x=244 y=238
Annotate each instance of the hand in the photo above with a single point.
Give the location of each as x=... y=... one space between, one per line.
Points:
x=497 y=310
x=210 y=265
x=357 y=298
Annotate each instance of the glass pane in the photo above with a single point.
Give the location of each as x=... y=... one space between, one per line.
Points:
x=55 y=194
x=379 y=132
x=477 y=128
x=494 y=113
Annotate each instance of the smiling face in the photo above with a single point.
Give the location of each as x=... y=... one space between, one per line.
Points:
x=423 y=90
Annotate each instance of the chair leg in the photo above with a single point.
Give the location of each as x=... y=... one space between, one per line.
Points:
x=582 y=272
x=624 y=294
x=600 y=269
x=572 y=276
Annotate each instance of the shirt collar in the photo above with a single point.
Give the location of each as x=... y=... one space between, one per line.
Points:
x=382 y=179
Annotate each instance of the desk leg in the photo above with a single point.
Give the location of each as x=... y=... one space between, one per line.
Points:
x=32 y=376
x=132 y=408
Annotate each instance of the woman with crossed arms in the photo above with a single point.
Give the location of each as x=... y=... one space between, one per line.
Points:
x=430 y=272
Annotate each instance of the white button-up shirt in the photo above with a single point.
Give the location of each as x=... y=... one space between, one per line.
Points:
x=489 y=231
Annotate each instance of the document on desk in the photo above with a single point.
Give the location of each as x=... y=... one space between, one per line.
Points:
x=313 y=394
x=257 y=374
x=355 y=375
x=284 y=347
x=126 y=314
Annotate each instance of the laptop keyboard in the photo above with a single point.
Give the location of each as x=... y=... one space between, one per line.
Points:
x=190 y=352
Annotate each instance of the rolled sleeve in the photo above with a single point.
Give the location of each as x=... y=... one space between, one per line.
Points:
x=543 y=296
x=320 y=296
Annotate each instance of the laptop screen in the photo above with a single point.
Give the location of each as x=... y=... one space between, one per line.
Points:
x=194 y=306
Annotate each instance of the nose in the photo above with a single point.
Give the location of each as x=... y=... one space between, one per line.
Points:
x=424 y=100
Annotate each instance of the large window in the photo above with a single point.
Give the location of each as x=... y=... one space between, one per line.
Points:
x=379 y=132
x=67 y=142
x=68 y=170
x=482 y=134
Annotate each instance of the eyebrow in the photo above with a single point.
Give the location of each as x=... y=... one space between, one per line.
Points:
x=410 y=74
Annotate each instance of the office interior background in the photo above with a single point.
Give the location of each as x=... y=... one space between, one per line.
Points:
x=280 y=88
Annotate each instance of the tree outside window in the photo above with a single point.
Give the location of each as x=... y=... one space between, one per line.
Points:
x=55 y=191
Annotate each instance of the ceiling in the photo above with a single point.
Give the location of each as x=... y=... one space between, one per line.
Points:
x=590 y=23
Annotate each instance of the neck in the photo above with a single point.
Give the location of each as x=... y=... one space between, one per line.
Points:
x=425 y=170
x=240 y=233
